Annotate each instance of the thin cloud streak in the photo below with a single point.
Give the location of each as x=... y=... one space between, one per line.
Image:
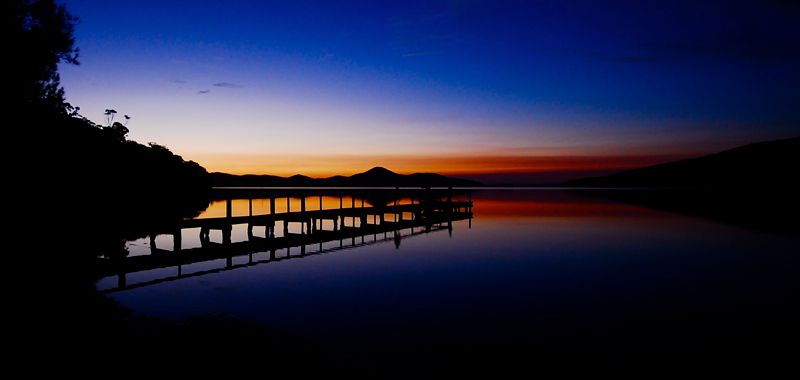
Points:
x=227 y=85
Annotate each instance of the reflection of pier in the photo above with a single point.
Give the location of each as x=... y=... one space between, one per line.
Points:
x=351 y=227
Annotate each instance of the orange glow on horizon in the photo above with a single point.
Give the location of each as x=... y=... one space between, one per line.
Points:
x=326 y=166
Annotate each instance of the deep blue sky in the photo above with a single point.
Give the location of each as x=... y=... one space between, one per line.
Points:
x=322 y=87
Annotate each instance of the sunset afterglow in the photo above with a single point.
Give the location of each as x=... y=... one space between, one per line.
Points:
x=453 y=87
x=456 y=165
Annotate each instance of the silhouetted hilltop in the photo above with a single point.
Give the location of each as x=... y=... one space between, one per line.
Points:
x=771 y=164
x=375 y=177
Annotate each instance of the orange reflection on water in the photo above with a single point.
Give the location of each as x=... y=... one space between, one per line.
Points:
x=261 y=206
x=492 y=204
x=550 y=205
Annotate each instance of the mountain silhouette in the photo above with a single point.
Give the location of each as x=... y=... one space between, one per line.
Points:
x=375 y=177
x=377 y=174
x=752 y=187
x=766 y=165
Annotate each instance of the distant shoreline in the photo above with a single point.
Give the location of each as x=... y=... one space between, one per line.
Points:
x=440 y=188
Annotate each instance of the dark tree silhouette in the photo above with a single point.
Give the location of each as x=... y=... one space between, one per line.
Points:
x=118 y=131
x=39 y=36
x=106 y=176
x=110 y=113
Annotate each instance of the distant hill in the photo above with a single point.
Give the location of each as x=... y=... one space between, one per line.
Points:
x=771 y=164
x=375 y=177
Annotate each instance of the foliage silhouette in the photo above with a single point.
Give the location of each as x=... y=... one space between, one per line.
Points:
x=78 y=181
x=95 y=167
x=39 y=37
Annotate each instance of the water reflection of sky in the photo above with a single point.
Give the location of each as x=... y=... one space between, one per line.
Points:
x=529 y=260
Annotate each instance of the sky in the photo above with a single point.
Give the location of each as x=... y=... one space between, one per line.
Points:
x=529 y=90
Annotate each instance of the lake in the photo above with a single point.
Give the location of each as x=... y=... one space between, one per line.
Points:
x=534 y=276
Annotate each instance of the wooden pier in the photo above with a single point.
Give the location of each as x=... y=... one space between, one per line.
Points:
x=352 y=227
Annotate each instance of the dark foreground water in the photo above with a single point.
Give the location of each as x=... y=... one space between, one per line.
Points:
x=535 y=277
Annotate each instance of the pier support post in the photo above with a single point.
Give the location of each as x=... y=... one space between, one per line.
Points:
x=176 y=240
x=226 y=229
x=341 y=207
x=204 y=236
x=226 y=234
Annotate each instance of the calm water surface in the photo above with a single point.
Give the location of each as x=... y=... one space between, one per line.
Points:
x=540 y=270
